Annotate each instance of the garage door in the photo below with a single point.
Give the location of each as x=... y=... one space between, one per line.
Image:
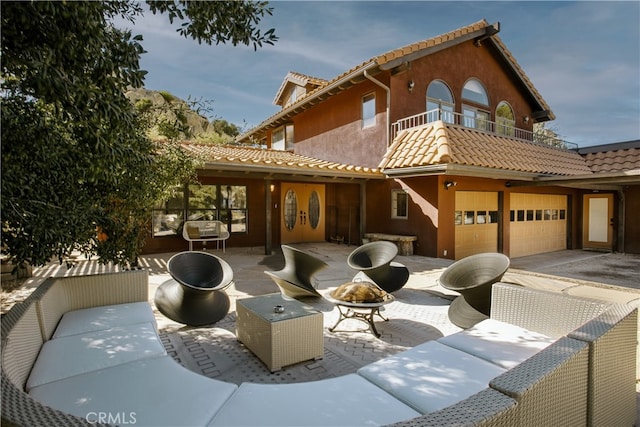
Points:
x=538 y=223
x=476 y=219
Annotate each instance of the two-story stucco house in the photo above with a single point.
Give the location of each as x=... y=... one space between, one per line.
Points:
x=433 y=140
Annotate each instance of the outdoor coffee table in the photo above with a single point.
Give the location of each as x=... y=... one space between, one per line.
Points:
x=364 y=311
x=288 y=334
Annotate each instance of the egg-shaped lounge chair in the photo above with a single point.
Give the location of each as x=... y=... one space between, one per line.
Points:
x=294 y=280
x=195 y=295
x=473 y=278
x=374 y=260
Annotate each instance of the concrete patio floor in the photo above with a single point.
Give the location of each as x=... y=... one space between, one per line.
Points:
x=419 y=313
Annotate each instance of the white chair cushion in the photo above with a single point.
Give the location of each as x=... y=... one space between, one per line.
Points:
x=431 y=376
x=105 y=317
x=148 y=392
x=498 y=342
x=77 y=354
x=349 y=400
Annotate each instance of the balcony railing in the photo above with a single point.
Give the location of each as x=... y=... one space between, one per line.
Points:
x=477 y=123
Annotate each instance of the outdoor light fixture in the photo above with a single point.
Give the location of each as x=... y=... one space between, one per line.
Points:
x=526 y=119
x=411 y=85
x=449 y=184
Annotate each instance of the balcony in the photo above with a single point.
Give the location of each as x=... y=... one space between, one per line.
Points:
x=545 y=136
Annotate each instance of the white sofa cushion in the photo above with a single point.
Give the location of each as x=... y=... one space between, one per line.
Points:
x=148 y=392
x=498 y=342
x=77 y=354
x=431 y=376
x=349 y=400
x=105 y=317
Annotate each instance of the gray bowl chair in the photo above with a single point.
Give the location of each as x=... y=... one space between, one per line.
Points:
x=294 y=280
x=195 y=295
x=473 y=278
x=374 y=261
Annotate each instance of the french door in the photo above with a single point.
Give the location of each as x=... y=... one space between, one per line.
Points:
x=303 y=207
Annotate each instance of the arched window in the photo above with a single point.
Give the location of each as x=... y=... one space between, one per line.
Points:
x=475 y=117
x=505 y=119
x=439 y=102
x=474 y=91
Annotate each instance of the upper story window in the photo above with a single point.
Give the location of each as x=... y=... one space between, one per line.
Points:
x=439 y=102
x=475 y=92
x=476 y=118
x=283 y=138
x=505 y=119
x=368 y=110
x=293 y=95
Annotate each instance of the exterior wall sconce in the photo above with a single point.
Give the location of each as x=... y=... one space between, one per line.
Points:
x=526 y=119
x=411 y=85
x=449 y=184
x=273 y=187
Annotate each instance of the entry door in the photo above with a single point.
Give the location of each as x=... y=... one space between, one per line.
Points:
x=597 y=229
x=302 y=213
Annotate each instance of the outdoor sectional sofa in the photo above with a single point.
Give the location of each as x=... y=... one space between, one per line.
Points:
x=85 y=351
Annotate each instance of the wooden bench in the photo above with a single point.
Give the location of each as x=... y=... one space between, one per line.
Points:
x=205 y=231
x=404 y=243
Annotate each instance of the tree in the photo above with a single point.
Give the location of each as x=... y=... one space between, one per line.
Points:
x=78 y=171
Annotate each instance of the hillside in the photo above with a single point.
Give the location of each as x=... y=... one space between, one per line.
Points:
x=170 y=117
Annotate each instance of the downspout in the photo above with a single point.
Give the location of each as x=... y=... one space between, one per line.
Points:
x=388 y=90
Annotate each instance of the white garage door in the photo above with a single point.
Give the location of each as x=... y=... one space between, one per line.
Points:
x=476 y=219
x=538 y=223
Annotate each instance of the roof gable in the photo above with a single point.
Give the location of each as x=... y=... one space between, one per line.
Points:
x=293 y=79
x=480 y=32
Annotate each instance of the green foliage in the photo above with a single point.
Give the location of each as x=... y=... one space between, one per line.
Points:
x=219 y=21
x=78 y=171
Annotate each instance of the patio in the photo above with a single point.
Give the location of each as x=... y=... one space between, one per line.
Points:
x=419 y=313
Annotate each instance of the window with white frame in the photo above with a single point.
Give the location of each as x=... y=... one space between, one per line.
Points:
x=439 y=102
x=277 y=139
x=475 y=118
x=475 y=92
x=399 y=204
x=369 y=110
x=283 y=138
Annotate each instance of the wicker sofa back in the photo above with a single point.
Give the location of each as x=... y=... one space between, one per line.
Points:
x=30 y=323
x=586 y=377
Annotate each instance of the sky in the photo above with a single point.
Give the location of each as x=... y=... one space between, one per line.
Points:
x=583 y=57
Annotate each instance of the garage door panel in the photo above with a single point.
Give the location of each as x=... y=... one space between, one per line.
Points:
x=476 y=228
x=538 y=223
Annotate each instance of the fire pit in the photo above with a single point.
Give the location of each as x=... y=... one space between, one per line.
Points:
x=359 y=300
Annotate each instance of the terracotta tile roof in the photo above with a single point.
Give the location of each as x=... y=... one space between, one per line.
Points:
x=438 y=143
x=385 y=58
x=429 y=43
x=249 y=158
x=615 y=159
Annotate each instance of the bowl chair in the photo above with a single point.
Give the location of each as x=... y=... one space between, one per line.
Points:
x=195 y=295
x=472 y=277
x=375 y=261
x=295 y=279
